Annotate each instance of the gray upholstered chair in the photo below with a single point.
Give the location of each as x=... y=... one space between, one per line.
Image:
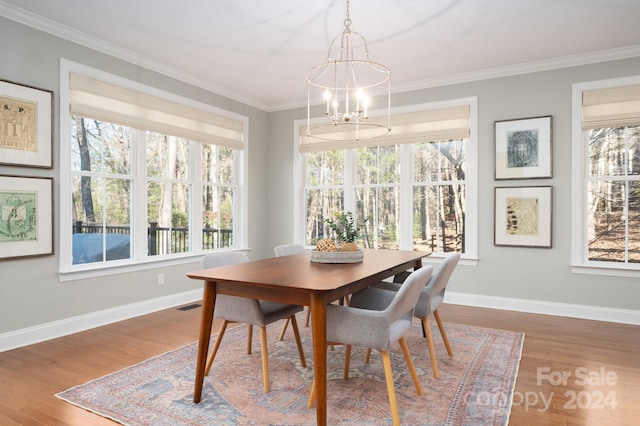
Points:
x=286 y=250
x=429 y=302
x=377 y=318
x=249 y=311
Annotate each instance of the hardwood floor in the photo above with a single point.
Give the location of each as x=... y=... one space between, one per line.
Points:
x=572 y=372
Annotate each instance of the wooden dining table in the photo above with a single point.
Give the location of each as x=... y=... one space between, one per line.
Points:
x=295 y=279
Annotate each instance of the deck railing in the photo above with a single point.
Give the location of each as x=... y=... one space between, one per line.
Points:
x=163 y=240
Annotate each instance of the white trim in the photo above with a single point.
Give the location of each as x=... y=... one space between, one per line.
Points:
x=595 y=313
x=40 y=333
x=580 y=263
x=19 y=15
x=406 y=181
x=28 y=336
x=140 y=260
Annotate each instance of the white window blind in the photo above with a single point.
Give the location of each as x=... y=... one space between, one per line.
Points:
x=103 y=101
x=420 y=126
x=611 y=107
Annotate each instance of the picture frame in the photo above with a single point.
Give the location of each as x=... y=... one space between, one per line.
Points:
x=523 y=148
x=26 y=125
x=523 y=216
x=26 y=216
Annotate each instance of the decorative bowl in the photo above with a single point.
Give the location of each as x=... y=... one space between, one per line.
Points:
x=337 y=256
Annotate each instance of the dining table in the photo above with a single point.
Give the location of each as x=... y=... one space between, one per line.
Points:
x=295 y=279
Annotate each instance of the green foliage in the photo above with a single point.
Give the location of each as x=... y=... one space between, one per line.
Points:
x=179 y=219
x=344 y=226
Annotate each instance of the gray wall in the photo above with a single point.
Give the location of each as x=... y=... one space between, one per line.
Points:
x=30 y=291
x=520 y=273
x=31 y=294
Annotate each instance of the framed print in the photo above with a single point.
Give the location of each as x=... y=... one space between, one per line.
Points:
x=522 y=216
x=26 y=127
x=523 y=148
x=26 y=216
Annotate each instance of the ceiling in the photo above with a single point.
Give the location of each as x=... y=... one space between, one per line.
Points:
x=258 y=51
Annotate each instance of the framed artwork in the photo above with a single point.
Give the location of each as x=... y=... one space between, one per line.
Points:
x=523 y=148
x=522 y=216
x=26 y=125
x=26 y=216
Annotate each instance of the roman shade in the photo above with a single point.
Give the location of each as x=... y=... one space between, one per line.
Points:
x=611 y=107
x=103 y=101
x=411 y=127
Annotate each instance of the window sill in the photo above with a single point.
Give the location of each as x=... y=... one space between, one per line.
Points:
x=607 y=270
x=112 y=268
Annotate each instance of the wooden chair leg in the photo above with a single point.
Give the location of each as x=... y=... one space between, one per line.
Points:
x=409 y=361
x=296 y=333
x=432 y=349
x=265 y=358
x=367 y=357
x=347 y=362
x=284 y=328
x=249 y=338
x=442 y=332
x=312 y=394
x=216 y=345
x=391 y=390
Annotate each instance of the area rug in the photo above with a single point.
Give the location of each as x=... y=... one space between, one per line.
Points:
x=476 y=385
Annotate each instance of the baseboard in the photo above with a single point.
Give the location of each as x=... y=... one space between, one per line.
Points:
x=41 y=333
x=52 y=330
x=597 y=313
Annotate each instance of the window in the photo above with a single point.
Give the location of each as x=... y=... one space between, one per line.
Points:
x=607 y=178
x=413 y=189
x=151 y=176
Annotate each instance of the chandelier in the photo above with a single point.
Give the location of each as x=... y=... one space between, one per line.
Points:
x=345 y=82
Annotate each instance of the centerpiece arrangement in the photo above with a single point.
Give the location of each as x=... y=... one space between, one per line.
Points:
x=344 y=227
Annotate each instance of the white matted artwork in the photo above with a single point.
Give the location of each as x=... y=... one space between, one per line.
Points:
x=523 y=148
x=25 y=125
x=26 y=216
x=523 y=216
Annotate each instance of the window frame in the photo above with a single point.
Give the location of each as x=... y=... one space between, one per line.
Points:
x=140 y=260
x=580 y=262
x=470 y=257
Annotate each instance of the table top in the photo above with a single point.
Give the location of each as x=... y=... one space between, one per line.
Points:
x=297 y=277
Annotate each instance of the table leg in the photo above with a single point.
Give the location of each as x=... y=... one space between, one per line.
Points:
x=208 y=303
x=319 y=332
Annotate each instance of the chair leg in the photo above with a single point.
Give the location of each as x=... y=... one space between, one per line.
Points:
x=391 y=390
x=409 y=361
x=347 y=362
x=432 y=349
x=367 y=357
x=265 y=358
x=284 y=328
x=442 y=332
x=296 y=333
x=312 y=394
x=306 y=321
x=249 y=337
x=216 y=345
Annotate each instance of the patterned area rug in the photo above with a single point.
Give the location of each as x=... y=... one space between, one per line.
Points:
x=476 y=385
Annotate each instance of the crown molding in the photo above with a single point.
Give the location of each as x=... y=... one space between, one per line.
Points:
x=524 y=68
x=54 y=28
x=67 y=33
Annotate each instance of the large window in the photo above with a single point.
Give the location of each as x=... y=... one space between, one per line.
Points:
x=151 y=176
x=607 y=177
x=414 y=190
